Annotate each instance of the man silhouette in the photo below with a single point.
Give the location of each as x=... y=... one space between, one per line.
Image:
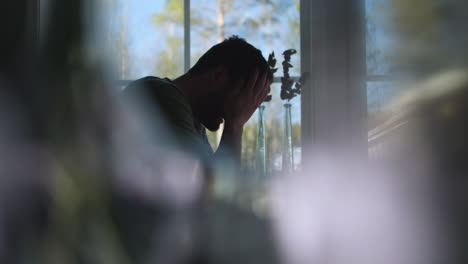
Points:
x=227 y=84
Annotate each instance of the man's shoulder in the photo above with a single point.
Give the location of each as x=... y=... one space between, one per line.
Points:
x=153 y=80
x=169 y=101
x=151 y=85
x=164 y=96
x=161 y=91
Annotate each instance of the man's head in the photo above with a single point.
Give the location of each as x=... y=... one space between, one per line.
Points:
x=220 y=68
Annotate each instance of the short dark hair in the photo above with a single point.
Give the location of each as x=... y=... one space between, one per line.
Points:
x=240 y=58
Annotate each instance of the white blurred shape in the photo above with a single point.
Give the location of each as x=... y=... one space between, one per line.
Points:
x=339 y=210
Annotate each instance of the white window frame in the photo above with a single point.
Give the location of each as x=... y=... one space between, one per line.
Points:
x=334 y=101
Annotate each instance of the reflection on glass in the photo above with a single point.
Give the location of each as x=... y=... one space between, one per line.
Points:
x=260 y=153
x=379 y=96
x=274 y=130
x=378 y=38
x=288 y=154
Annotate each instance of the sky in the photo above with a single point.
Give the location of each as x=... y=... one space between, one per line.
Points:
x=143 y=34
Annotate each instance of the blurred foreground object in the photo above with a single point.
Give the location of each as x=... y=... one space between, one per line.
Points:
x=436 y=115
x=81 y=181
x=406 y=205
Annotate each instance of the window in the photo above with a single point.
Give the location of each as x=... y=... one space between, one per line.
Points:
x=137 y=44
x=382 y=86
x=156 y=38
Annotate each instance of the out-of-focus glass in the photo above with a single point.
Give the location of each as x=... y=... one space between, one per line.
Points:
x=260 y=153
x=379 y=97
x=379 y=41
x=288 y=154
x=143 y=37
x=274 y=131
x=418 y=38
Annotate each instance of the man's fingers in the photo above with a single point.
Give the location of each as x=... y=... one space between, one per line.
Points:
x=265 y=94
x=240 y=84
x=262 y=92
x=261 y=87
x=252 y=82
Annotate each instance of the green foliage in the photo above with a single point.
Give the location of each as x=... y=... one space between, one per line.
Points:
x=116 y=42
x=296 y=134
x=248 y=146
x=274 y=128
x=173 y=12
x=294 y=22
x=170 y=61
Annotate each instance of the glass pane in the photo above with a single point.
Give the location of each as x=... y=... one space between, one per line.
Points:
x=379 y=97
x=268 y=25
x=271 y=26
x=274 y=116
x=416 y=38
x=378 y=38
x=144 y=37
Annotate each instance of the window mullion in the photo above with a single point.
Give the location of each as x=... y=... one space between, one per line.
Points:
x=186 y=35
x=380 y=78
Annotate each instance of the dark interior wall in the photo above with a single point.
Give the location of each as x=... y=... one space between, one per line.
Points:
x=18 y=53
x=13 y=29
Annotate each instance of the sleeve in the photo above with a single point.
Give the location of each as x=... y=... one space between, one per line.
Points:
x=163 y=104
x=177 y=114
